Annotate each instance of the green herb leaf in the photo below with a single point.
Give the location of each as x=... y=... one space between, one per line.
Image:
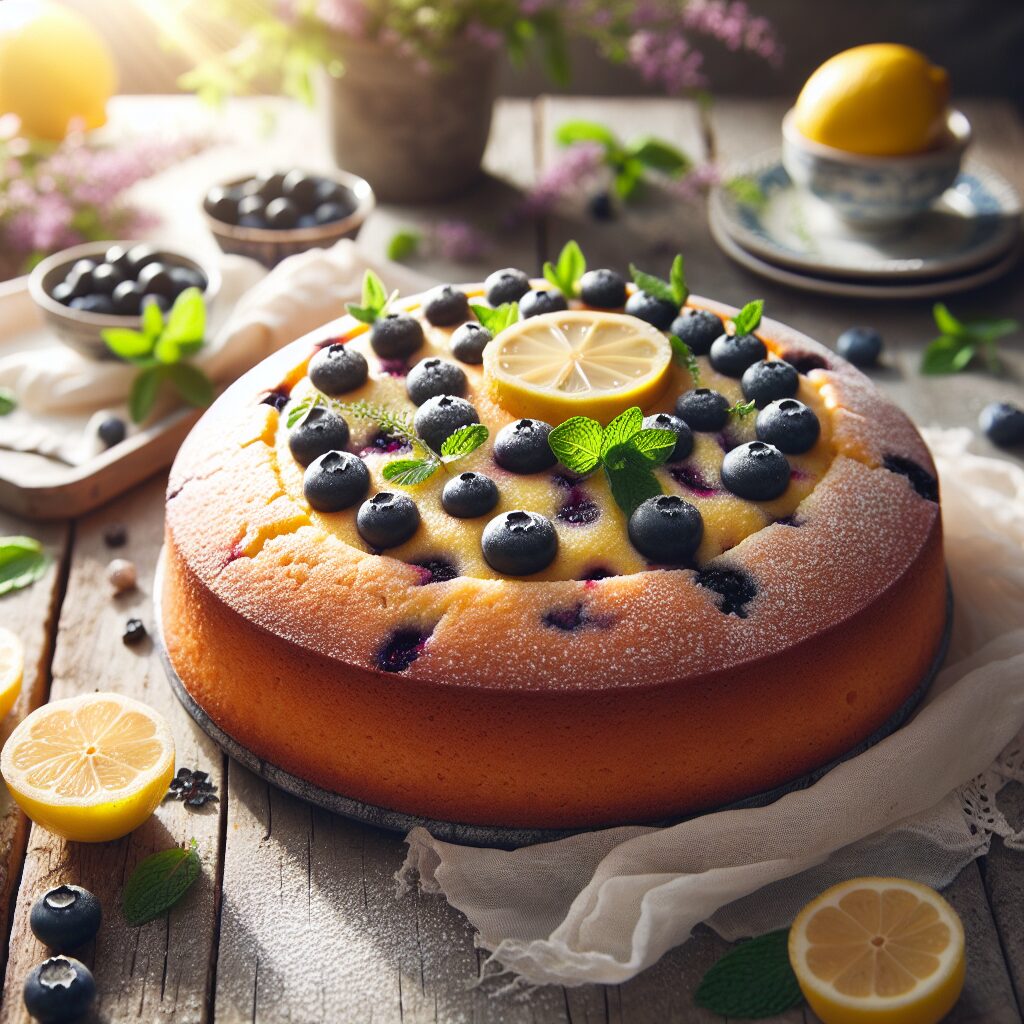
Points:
x=654 y=444
x=464 y=441
x=741 y=410
x=945 y=321
x=191 y=384
x=748 y=192
x=128 y=345
x=683 y=354
x=298 y=412
x=498 y=318
x=629 y=174
x=577 y=443
x=748 y=319
x=652 y=285
x=570 y=133
x=152 y=321
x=947 y=354
x=22 y=562
x=8 y=403
x=621 y=429
x=960 y=342
x=404 y=244
x=570 y=268
x=677 y=279
x=375 y=300
x=410 y=472
x=144 y=391
x=390 y=422
x=159 y=882
x=754 y=980
x=630 y=478
x=363 y=313
x=659 y=156
x=186 y=321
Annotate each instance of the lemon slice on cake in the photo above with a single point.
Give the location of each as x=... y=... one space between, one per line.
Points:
x=577 y=362
x=878 y=949
x=12 y=668
x=89 y=768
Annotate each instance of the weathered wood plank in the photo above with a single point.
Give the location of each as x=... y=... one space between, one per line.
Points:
x=159 y=971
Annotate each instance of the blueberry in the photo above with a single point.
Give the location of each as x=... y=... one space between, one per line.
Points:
x=62 y=293
x=789 y=425
x=329 y=213
x=666 y=529
x=768 y=379
x=731 y=354
x=307 y=220
x=522 y=447
x=281 y=214
x=335 y=480
x=603 y=289
x=266 y=186
x=301 y=189
x=59 y=990
x=252 y=220
x=734 y=586
x=155 y=279
x=432 y=377
x=469 y=495
x=446 y=306
x=187 y=277
x=66 y=917
x=101 y=304
x=320 y=432
x=698 y=328
x=112 y=431
x=337 y=369
x=105 y=278
x=860 y=345
x=134 y=632
x=127 y=298
x=79 y=277
x=387 y=519
x=441 y=416
x=703 y=409
x=678 y=426
x=469 y=341
x=117 y=256
x=657 y=312
x=328 y=191
x=601 y=207
x=252 y=207
x=535 y=303
x=396 y=336
x=140 y=256
x=755 y=471
x=1002 y=423
x=508 y=285
x=160 y=301
x=519 y=543
x=222 y=204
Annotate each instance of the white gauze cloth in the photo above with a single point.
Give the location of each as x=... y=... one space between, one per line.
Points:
x=602 y=906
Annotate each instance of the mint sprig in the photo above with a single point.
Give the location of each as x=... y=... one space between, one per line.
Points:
x=22 y=562
x=496 y=319
x=741 y=410
x=159 y=882
x=411 y=472
x=403 y=244
x=752 y=981
x=748 y=319
x=566 y=273
x=683 y=355
x=624 y=449
x=375 y=300
x=8 y=403
x=673 y=290
x=160 y=351
x=961 y=342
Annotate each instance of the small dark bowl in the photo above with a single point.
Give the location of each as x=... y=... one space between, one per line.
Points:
x=81 y=330
x=271 y=245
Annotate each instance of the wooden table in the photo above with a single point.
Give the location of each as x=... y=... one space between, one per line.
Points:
x=295 y=917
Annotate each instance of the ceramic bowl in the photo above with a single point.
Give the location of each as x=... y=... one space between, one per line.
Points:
x=870 y=190
x=82 y=330
x=270 y=245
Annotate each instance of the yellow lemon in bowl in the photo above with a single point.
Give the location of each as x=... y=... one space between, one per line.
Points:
x=882 y=99
x=56 y=71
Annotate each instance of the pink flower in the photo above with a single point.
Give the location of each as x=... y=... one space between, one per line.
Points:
x=696 y=182
x=459 y=241
x=567 y=174
x=667 y=60
x=482 y=35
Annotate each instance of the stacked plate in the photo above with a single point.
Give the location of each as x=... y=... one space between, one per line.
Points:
x=765 y=223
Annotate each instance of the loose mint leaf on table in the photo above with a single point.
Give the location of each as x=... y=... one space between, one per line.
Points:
x=565 y=274
x=463 y=442
x=961 y=341
x=498 y=318
x=752 y=981
x=22 y=562
x=683 y=354
x=571 y=133
x=673 y=290
x=410 y=472
x=404 y=244
x=659 y=155
x=159 y=882
x=374 y=302
x=748 y=319
x=576 y=444
x=8 y=403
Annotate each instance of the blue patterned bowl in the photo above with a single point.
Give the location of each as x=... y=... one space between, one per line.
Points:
x=874 y=190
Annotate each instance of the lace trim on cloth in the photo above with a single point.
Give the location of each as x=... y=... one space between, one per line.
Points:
x=980 y=804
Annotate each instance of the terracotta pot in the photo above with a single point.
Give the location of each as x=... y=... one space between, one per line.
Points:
x=415 y=135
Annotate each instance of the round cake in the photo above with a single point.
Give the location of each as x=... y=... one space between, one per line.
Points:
x=541 y=555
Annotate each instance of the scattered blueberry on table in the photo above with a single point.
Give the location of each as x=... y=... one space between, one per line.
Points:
x=861 y=346
x=65 y=917
x=134 y=632
x=280 y=201
x=192 y=787
x=60 y=990
x=112 y=431
x=1003 y=424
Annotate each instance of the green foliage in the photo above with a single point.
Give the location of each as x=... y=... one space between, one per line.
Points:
x=683 y=355
x=22 y=562
x=463 y=442
x=403 y=244
x=748 y=319
x=159 y=882
x=961 y=342
x=566 y=273
x=747 y=192
x=741 y=410
x=375 y=300
x=498 y=318
x=8 y=403
x=673 y=290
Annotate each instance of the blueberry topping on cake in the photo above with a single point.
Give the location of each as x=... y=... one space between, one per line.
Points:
x=519 y=543
x=469 y=341
x=755 y=471
x=522 y=447
x=805 y=362
x=698 y=328
x=693 y=480
x=603 y=289
x=396 y=336
x=769 y=379
x=446 y=306
x=731 y=354
x=508 y=285
x=860 y=345
x=387 y=519
x=568 y=620
x=678 y=426
x=402 y=648
x=469 y=495
x=578 y=509
x=666 y=529
x=337 y=369
x=320 y=432
x=1003 y=424
x=334 y=481
x=436 y=570
x=789 y=425
x=540 y=301
x=735 y=588
x=439 y=417
x=432 y=377
x=920 y=479
x=703 y=409
x=658 y=312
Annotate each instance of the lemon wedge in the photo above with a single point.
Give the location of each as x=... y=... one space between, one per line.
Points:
x=577 y=362
x=878 y=949
x=12 y=668
x=882 y=99
x=89 y=768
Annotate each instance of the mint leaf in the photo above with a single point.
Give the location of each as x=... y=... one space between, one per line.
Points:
x=652 y=285
x=8 y=403
x=752 y=981
x=677 y=280
x=961 y=341
x=947 y=354
x=945 y=321
x=22 y=562
x=464 y=441
x=159 y=882
x=630 y=479
x=498 y=318
x=621 y=429
x=152 y=321
x=403 y=244
x=577 y=443
x=741 y=410
x=191 y=384
x=364 y=313
x=375 y=300
x=565 y=274
x=659 y=156
x=410 y=472
x=683 y=354
x=654 y=444
x=297 y=413
x=570 y=133
x=186 y=321
x=127 y=344
x=629 y=173
x=748 y=319
x=144 y=391
x=748 y=192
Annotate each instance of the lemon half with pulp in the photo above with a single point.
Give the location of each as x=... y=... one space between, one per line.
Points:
x=12 y=668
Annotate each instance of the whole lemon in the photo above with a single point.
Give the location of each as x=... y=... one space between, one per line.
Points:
x=882 y=99
x=55 y=69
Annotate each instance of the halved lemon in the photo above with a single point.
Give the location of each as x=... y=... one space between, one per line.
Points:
x=577 y=363
x=89 y=768
x=878 y=949
x=12 y=668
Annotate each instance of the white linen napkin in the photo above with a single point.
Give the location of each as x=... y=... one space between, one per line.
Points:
x=602 y=906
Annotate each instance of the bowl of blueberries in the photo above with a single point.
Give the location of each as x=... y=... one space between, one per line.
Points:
x=84 y=290
x=270 y=216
